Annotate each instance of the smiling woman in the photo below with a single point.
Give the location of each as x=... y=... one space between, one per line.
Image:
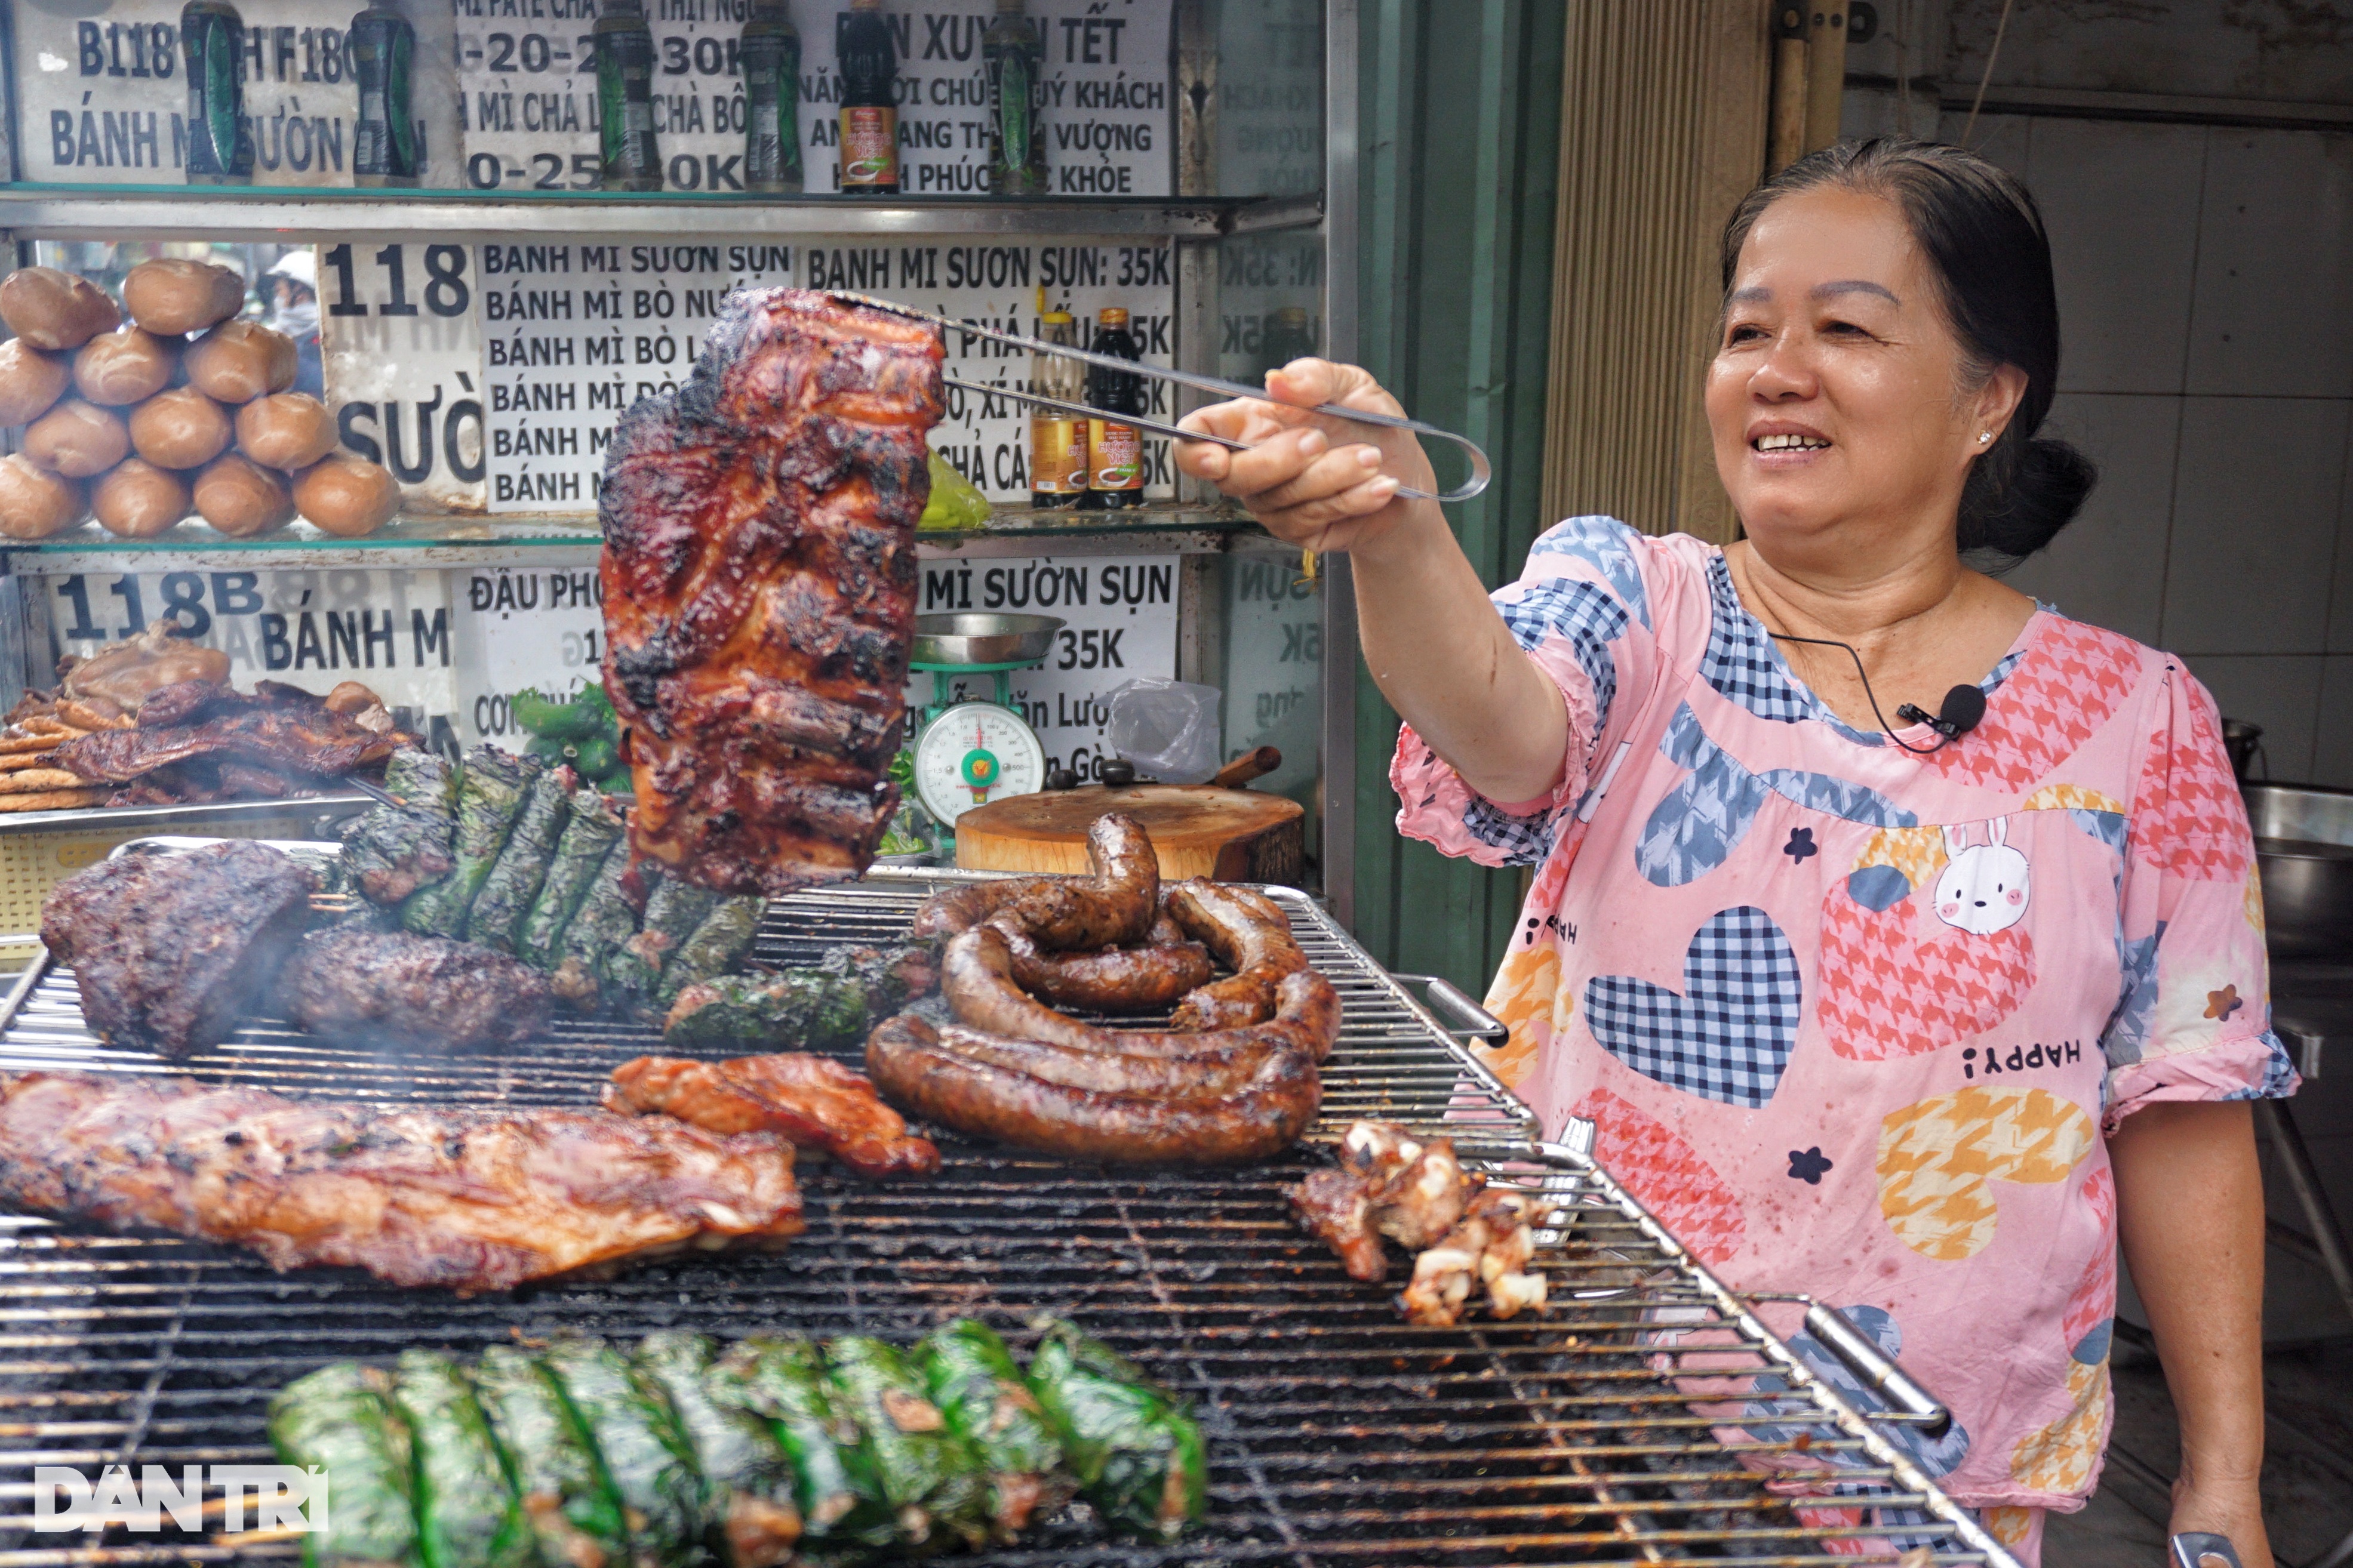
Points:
x=1916 y=1020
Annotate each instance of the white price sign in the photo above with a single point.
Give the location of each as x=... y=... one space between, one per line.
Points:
x=1120 y=622
x=525 y=630
x=572 y=332
x=404 y=363
x=1274 y=666
x=387 y=630
x=527 y=75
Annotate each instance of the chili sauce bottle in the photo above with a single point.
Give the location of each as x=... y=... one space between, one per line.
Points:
x=771 y=98
x=1116 y=450
x=1058 y=441
x=1014 y=55
x=212 y=50
x=625 y=98
x=870 y=100
x=382 y=47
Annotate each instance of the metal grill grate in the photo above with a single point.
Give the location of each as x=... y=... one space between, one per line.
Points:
x=1339 y=1434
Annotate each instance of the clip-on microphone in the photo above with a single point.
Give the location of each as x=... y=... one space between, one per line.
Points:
x=1963 y=708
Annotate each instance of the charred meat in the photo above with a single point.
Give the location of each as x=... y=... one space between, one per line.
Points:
x=812 y=1102
x=170 y=949
x=759 y=574
x=276 y=730
x=466 y=1201
x=399 y=990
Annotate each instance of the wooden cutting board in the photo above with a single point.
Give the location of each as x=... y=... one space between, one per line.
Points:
x=1200 y=830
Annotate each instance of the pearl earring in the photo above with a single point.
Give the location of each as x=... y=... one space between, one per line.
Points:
x=1985 y=435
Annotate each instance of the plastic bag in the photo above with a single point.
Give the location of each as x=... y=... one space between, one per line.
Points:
x=956 y=502
x=1168 y=729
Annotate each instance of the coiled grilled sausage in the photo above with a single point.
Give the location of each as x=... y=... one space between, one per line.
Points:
x=1063 y=914
x=915 y=1071
x=976 y=978
x=1202 y=1075
x=1252 y=935
x=1116 y=979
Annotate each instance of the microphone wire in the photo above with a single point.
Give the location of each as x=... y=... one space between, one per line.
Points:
x=1885 y=728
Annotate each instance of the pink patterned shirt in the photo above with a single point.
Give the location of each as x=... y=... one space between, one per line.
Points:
x=1851 y=1021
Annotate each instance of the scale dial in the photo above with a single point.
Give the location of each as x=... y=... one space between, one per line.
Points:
x=973 y=753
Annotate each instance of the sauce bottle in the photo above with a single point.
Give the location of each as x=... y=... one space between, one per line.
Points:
x=625 y=97
x=771 y=98
x=1116 y=450
x=1058 y=441
x=1016 y=152
x=212 y=50
x=870 y=100
x=382 y=47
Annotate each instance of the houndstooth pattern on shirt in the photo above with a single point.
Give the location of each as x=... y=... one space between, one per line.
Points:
x=1720 y=1038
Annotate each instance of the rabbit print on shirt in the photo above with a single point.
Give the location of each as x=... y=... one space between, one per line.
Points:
x=1983 y=888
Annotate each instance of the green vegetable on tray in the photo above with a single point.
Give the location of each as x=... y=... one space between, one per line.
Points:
x=566 y=1497
x=688 y=1454
x=588 y=837
x=490 y=794
x=467 y=1505
x=496 y=920
x=1136 y=1453
x=340 y=1418
x=955 y=502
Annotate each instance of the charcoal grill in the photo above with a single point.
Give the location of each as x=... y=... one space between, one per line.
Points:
x=1337 y=1433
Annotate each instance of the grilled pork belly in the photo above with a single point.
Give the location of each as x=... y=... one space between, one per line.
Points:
x=467 y=1201
x=398 y=989
x=170 y=949
x=813 y=1102
x=759 y=574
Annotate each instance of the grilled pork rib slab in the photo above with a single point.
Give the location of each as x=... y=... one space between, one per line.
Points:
x=759 y=575
x=170 y=951
x=466 y=1201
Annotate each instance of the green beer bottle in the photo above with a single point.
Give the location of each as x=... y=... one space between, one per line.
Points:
x=212 y=49
x=771 y=98
x=382 y=48
x=625 y=97
x=1016 y=152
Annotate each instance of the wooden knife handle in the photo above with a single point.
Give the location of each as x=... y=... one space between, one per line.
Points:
x=1238 y=774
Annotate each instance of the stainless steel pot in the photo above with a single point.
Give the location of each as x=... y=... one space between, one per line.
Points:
x=2304 y=848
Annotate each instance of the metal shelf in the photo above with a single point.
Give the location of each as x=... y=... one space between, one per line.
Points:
x=287 y=213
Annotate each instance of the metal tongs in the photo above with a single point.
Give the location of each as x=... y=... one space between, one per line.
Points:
x=1480 y=472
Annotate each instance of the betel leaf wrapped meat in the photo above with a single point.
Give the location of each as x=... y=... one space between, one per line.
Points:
x=606 y=919
x=930 y=1476
x=839 y=1494
x=393 y=851
x=423 y=779
x=716 y=946
x=566 y=1497
x=502 y=905
x=1136 y=1451
x=491 y=793
x=759 y=575
x=467 y=1513
x=673 y=908
x=650 y=1463
x=831 y=1006
x=973 y=1379
x=340 y=1418
x=588 y=838
x=747 y=1502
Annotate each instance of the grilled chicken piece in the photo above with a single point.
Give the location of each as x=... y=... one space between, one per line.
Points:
x=759 y=575
x=467 y=1201
x=1491 y=1246
x=1336 y=1206
x=813 y=1102
x=170 y=949
x=279 y=729
x=396 y=989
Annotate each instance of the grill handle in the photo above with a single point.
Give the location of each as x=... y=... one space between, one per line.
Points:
x=1913 y=1406
x=1446 y=996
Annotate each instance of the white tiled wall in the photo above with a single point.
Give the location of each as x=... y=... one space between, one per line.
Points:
x=2206 y=294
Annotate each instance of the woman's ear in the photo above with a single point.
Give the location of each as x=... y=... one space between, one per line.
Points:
x=1998 y=399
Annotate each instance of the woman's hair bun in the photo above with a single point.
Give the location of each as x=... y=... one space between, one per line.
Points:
x=2020 y=495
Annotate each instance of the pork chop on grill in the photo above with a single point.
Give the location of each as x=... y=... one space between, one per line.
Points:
x=463 y=1200
x=759 y=574
x=397 y=989
x=170 y=949
x=814 y=1102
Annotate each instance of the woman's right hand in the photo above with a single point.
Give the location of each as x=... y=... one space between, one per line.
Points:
x=1311 y=481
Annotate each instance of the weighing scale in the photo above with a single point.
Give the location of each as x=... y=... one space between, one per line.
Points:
x=969 y=752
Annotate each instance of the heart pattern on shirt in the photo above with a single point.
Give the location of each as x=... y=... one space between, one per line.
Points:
x=1728 y=1034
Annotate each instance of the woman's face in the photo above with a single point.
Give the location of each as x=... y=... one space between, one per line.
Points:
x=1838 y=393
